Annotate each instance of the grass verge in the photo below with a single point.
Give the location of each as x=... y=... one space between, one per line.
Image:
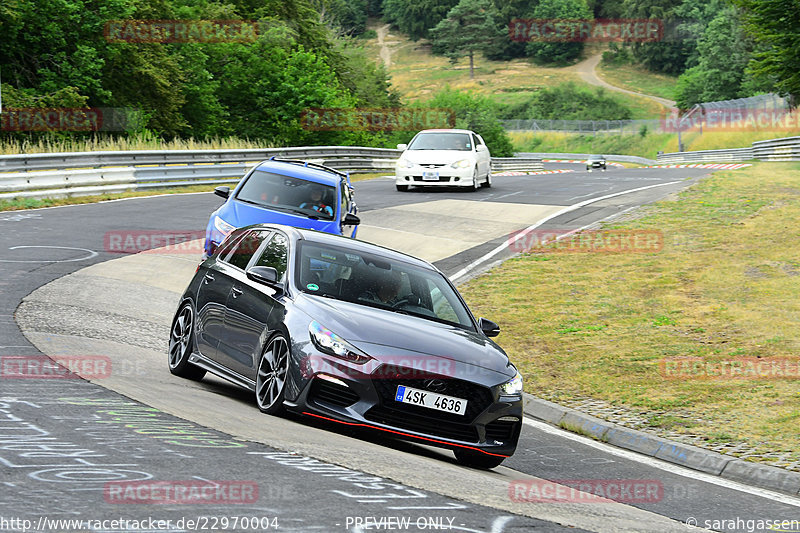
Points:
x=723 y=287
x=34 y=203
x=638 y=80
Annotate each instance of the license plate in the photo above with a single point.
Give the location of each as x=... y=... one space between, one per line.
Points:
x=431 y=400
x=430 y=176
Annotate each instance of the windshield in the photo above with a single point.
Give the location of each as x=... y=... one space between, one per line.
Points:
x=441 y=141
x=377 y=281
x=293 y=195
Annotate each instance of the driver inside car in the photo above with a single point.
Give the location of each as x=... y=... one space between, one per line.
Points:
x=386 y=291
x=316 y=203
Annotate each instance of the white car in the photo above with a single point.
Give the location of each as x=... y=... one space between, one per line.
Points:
x=444 y=158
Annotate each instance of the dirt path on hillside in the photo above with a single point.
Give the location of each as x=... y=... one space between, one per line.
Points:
x=587 y=71
x=385 y=53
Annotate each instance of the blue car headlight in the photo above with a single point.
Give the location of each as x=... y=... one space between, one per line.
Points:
x=513 y=387
x=330 y=343
x=222 y=226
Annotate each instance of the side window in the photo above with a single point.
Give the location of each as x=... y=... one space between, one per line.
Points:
x=476 y=140
x=441 y=307
x=247 y=246
x=229 y=242
x=275 y=254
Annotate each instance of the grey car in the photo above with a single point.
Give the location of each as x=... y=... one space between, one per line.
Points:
x=352 y=333
x=596 y=161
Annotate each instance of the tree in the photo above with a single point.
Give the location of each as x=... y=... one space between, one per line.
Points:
x=469 y=27
x=416 y=17
x=775 y=26
x=477 y=113
x=558 y=52
x=720 y=71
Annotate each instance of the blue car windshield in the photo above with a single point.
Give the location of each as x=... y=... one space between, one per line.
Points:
x=292 y=195
x=441 y=141
x=381 y=282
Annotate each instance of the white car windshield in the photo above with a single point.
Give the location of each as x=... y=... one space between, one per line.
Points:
x=441 y=141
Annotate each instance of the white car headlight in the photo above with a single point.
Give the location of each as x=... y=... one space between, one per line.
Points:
x=222 y=226
x=513 y=386
x=404 y=163
x=330 y=343
x=463 y=163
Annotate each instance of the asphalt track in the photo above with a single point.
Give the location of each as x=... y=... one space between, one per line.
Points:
x=121 y=310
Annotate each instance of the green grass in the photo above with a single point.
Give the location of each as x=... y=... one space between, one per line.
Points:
x=724 y=286
x=638 y=79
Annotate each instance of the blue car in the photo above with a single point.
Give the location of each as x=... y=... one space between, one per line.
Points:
x=286 y=191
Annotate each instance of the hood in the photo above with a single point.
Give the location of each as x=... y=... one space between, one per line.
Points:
x=437 y=156
x=240 y=214
x=385 y=334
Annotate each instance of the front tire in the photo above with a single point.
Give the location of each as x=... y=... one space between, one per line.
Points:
x=181 y=344
x=474 y=459
x=401 y=188
x=273 y=368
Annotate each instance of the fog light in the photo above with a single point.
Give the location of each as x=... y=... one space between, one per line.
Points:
x=508 y=419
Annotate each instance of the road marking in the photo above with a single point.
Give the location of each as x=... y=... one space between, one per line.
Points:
x=91 y=255
x=667 y=467
x=466 y=270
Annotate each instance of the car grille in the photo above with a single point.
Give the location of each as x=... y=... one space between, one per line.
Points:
x=432 y=165
x=441 y=178
x=500 y=430
x=422 y=424
x=325 y=392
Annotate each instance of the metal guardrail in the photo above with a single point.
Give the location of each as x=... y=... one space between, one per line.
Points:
x=610 y=157
x=180 y=168
x=74 y=160
x=733 y=155
x=783 y=149
x=786 y=149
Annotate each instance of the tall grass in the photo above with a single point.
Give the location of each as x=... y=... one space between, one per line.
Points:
x=96 y=143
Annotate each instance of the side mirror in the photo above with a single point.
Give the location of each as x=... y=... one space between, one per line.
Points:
x=223 y=191
x=489 y=328
x=481 y=148
x=351 y=220
x=402 y=146
x=265 y=276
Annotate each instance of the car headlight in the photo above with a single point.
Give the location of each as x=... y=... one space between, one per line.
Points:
x=330 y=343
x=222 y=226
x=512 y=387
x=404 y=163
x=463 y=163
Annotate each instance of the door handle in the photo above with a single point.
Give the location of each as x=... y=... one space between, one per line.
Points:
x=236 y=292
x=209 y=278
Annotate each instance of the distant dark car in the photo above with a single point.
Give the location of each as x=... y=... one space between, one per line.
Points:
x=596 y=161
x=285 y=191
x=351 y=332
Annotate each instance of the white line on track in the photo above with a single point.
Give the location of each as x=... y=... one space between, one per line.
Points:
x=467 y=269
x=662 y=465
